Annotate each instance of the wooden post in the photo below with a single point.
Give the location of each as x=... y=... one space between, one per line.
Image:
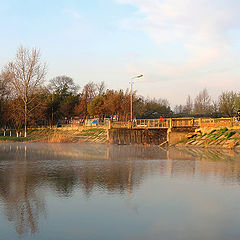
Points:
x=171 y=123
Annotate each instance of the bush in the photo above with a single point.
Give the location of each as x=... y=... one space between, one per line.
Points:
x=214 y=130
x=223 y=130
x=230 y=134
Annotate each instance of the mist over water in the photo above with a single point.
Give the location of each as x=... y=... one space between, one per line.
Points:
x=91 y=191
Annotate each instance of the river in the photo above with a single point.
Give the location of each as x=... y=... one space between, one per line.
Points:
x=96 y=191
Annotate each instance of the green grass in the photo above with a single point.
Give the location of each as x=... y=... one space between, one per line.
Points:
x=202 y=135
x=230 y=134
x=214 y=130
x=92 y=132
x=223 y=130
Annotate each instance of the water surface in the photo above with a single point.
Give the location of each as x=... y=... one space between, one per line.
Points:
x=90 y=191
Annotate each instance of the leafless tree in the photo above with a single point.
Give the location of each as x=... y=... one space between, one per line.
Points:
x=101 y=88
x=63 y=83
x=202 y=103
x=188 y=108
x=229 y=103
x=25 y=74
x=4 y=86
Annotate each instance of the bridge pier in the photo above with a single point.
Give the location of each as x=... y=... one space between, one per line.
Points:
x=177 y=134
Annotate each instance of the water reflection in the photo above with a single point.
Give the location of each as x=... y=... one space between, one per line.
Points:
x=28 y=172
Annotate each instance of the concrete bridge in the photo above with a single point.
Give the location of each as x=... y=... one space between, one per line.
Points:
x=159 y=132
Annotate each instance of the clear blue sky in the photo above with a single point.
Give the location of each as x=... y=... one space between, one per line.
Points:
x=180 y=46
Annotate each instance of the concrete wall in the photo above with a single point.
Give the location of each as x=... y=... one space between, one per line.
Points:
x=137 y=136
x=149 y=136
x=175 y=135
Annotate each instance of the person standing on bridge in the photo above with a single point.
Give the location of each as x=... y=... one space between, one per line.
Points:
x=161 y=118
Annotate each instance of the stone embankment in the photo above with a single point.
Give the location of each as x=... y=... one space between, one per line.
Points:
x=216 y=138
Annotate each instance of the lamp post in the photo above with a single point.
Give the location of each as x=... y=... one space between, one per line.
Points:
x=131 y=95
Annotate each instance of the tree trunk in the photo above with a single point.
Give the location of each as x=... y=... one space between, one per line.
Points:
x=25 y=120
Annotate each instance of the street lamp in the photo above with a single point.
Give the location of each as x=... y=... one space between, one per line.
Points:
x=131 y=95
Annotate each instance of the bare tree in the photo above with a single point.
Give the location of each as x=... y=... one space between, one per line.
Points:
x=202 y=103
x=101 y=88
x=188 y=108
x=25 y=74
x=228 y=102
x=4 y=95
x=63 y=83
x=179 y=109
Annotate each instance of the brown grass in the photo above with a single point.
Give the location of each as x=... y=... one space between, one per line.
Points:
x=59 y=138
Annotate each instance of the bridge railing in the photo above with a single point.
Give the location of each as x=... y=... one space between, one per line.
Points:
x=151 y=123
x=178 y=122
x=182 y=122
x=121 y=124
x=219 y=122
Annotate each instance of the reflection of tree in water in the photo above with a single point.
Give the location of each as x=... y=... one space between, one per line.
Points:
x=18 y=189
x=63 y=181
x=22 y=178
x=110 y=177
x=112 y=169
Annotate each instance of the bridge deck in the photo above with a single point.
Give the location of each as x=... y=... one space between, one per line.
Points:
x=177 y=122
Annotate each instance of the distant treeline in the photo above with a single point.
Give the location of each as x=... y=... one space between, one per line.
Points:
x=26 y=99
x=227 y=105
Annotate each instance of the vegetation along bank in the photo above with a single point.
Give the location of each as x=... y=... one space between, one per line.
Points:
x=218 y=138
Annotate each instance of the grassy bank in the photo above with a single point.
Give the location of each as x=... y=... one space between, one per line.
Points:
x=222 y=138
x=60 y=135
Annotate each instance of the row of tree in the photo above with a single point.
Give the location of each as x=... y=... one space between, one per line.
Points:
x=26 y=99
x=227 y=105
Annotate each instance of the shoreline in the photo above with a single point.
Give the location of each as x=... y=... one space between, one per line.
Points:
x=223 y=138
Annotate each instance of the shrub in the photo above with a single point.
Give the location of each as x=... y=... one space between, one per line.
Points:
x=230 y=134
x=223 y=130
x=214 y=130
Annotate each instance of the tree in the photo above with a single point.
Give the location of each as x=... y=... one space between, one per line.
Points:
x=62 y=98
x=202 y=103
x=4 y=94
x=15 y=113
x=154 y=108
x=101 y=88
x=188 y=108
x=229 y=103
x=25 y=74
x=63 y=84
x=96 y=106
x=88 y=93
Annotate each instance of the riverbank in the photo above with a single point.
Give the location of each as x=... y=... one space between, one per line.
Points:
x=61 y=135
x=216 y=138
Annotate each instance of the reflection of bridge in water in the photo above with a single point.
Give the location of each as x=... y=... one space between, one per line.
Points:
x=27 y=175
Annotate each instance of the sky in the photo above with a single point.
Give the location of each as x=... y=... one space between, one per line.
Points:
x=180 y=47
